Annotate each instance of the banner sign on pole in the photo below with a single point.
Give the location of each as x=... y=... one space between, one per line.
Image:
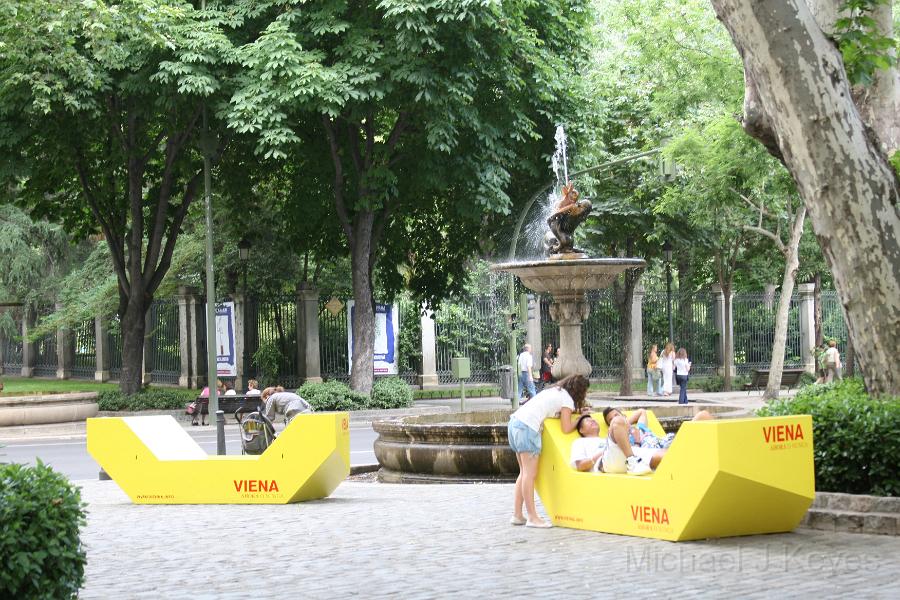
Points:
x=387 y=334
x=225 y=351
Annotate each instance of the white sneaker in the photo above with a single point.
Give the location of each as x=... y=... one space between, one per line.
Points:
x=636 y=466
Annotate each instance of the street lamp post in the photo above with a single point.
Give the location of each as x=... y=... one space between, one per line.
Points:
x=244 y=256
x=667 y=254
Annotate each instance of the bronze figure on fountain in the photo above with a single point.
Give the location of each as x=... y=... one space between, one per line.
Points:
x=570 y=212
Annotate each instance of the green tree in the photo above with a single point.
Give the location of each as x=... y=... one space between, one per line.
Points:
x=430 y=113
x=100 y=111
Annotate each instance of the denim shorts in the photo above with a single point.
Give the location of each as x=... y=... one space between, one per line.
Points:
x=523 y=438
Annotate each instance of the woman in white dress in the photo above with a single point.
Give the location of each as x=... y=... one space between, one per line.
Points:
x=666 y=364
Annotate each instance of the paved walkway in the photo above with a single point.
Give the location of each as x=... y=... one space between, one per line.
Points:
x=376 y=541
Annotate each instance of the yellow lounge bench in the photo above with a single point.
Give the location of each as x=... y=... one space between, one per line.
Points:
x=719 y=478
x=155 y=461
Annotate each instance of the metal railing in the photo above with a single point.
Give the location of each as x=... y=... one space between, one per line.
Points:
x=163 y=349
x=693 y=322
x=754 y=332
x=84 y=356
x=476 y=329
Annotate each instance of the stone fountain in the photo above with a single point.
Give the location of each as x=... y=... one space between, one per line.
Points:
x=473 y=446
x=567 y=274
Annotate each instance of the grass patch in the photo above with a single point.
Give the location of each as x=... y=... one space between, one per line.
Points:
x=17 y=386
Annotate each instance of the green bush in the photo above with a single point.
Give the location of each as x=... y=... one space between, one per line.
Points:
x=149 y=399
x=332 y=395
x=856 y=438
x=40 y=548
x=391 y=392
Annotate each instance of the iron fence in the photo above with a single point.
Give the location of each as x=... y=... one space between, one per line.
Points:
x=272 y=324
x=754 y=332
x=693 y=323
x=84 y=356
x=475 y=329
x=333 y=352
x=45 y=359
x=163 y=351
x=833 y=324
x=114 y=344
x=12 y=345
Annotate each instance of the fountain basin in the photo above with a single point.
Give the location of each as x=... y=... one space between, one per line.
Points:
x=560 y=276
x=447 y=448
x=473 y=447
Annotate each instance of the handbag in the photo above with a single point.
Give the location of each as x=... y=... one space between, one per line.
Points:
x=191 y=408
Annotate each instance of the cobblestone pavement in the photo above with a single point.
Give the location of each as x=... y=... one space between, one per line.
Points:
x=373 y=540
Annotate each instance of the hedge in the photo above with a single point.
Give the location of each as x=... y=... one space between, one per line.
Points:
x=149 y=399
x=390 y=392
x=40 y=547
x=856 y=438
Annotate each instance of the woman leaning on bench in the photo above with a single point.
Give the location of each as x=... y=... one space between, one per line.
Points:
x=524 y=431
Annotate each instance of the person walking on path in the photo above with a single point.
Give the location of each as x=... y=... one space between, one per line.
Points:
x=666 y=365
x=654 y=386
x=832 y=362
x=526 y=364
x=682 y=370
x=563 y=399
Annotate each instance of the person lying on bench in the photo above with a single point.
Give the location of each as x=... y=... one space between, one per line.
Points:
x=276 y=400
x=639 y=432
x=613 y=454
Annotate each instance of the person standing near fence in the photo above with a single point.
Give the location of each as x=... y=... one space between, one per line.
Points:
x=654 y=387
x=666 y=366
x=832 y=362
x=526 y=364
x=547 y=366
x=682 y=371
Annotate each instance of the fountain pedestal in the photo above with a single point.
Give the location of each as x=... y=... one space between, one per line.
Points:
x=567 y=280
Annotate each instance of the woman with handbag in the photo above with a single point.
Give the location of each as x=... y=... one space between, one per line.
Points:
x=201 y=407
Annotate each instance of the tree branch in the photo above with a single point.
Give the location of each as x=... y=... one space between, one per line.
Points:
x=354 y=140
x=338 y=178
x=766 y=233
x=398 y=130
x=155 y=278
x=755 y=121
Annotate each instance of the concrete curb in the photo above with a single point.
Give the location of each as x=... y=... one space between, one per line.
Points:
x=854 y=513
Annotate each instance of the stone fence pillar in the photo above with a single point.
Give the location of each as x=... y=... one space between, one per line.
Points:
x=185 y=348
x=241 y=360
x=65 y=350
x=724 y=322
x=196 y=333
x=101 y=350
x=428 y=379
x=28 y=354
x=533 y=329
x=309 y=365
x=637 y=333
x=807 y=311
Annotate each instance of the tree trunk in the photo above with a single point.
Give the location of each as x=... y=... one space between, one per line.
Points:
x=791 y=264
x=849 y=188
x=625 y=299
x=849 y=366
x=363 y=366
x=133 y=328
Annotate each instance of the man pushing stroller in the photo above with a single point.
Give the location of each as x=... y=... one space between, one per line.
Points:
x=277 y=401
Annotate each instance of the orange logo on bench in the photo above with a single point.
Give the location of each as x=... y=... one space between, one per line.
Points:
x=650 y=514
x=255 y=485
x=783 y=433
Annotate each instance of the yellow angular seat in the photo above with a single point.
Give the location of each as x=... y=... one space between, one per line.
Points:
x=155 y=461
x=719 y=478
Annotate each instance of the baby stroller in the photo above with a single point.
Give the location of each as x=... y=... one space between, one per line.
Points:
x=257 y=432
